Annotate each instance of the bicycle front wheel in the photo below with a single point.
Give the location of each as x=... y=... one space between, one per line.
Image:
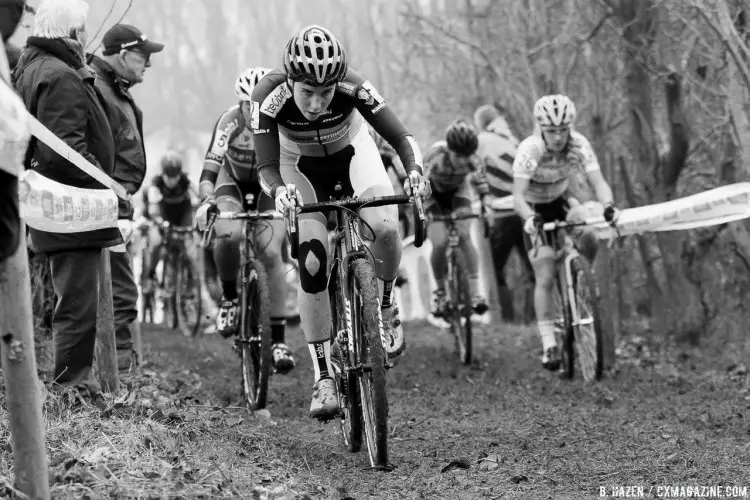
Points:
x=188 y=296
x=586 y=321
x=460 y=309
x=367 y=325
x=254 y=339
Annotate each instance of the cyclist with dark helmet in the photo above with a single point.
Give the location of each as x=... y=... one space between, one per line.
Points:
x=454 y=169
x=170 y=200
x=310 y=130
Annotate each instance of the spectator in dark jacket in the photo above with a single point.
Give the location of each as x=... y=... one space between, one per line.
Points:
x=58 y=89
x=125 y=57
x=11 y=12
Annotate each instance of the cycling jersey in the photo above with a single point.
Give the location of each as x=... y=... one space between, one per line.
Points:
x=442 y=174
x=174 y=202
x=231 y=143
x=280 y=127
x=550 y=172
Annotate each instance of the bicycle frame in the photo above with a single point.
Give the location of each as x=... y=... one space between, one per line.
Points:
x=454 y=239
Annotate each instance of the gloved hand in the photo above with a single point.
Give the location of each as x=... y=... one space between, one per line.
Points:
x=611 y=213
x=533 y=224
x=416 y=184
x=287 y=197
x=202 y=214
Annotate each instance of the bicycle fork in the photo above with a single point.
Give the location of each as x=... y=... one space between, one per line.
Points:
x=575 y=317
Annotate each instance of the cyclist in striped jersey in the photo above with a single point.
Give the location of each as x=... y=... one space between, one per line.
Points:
x=497 y=145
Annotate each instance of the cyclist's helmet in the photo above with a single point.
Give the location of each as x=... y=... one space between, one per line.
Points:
x=461 y=137
x=315 y=57
x=554 y=111
x=171 y=164
x=247 y=81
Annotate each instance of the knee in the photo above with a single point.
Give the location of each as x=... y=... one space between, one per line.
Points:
x=312 y=266
x=384 y=229
x=228 y=232
x=544 y=267
x=272 y=256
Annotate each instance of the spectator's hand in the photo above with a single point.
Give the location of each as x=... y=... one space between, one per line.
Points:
x=611 y=213
x=202 y=214
x=533 y=224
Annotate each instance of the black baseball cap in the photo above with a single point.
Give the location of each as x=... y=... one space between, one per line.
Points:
x=126 y=37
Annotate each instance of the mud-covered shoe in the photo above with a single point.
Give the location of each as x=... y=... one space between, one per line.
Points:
x=283 y=360
x=551 y=358
x=479 y=304
x=325 y=401
x=394 y=341
x=438 y=303
x=226 y=319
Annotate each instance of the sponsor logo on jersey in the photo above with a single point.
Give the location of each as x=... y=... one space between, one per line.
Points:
x=255 y=115
x=333 y=118
x=378 y=108
x=347 y=88
x=273 y=103
x=371 y=96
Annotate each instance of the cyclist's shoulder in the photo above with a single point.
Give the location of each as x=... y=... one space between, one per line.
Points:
x=579 y=140
x=492 y=144
x=532 y=146
x=230 y=118
x=272 y=92
x=350 y=84
x=435 y=152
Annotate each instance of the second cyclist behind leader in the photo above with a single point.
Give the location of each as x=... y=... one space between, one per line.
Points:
x=309 y=126
x=229 y=182
x=545 y=166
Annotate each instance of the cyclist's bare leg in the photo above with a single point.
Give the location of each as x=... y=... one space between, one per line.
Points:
x=437 y=233
x=386 y=250
x=155 y=240
x=269 y=238
x=543 y=262
x=227 y=238
x=471 y=260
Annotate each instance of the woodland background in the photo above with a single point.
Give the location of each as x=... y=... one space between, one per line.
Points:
x=661 y=87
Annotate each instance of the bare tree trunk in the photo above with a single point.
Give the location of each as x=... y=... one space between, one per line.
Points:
x=21 y=382
x=106 y=350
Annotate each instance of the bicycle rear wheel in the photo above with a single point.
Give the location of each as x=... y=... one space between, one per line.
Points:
x=254 y=340
x=586 y=321
x=460 y=310
x=564 y=335
x=366 y=327
x=188 y=296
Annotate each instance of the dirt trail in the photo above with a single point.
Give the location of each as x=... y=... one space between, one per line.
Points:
x=501 y=428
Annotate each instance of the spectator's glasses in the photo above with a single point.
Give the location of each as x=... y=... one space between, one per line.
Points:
x=146 y=58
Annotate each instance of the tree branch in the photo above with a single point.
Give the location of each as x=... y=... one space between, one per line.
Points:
x=678 y=131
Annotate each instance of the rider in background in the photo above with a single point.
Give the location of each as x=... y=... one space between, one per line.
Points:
x=545 y=164
x=453 y=169
x=310 y=131
x=229 y=183
x=170 y=202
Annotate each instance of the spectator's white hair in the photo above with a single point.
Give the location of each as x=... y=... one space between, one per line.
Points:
x=57 y=18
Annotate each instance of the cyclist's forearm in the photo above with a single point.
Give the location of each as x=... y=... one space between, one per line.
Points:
x=604 y=193
x=206 y=190
x=523 y=209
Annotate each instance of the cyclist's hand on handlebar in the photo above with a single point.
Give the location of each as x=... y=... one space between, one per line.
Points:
x=533 y=224
x=611 y=213
x=208 y=207
x=287 y=198
x=416 y=184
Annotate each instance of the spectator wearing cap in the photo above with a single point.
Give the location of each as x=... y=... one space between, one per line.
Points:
x=58 y=89
x=125 y=56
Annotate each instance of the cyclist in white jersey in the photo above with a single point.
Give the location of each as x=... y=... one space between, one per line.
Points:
x=229 y=182
x=544 y=165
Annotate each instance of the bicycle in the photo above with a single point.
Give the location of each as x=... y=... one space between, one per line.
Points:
x=457 y=309
x=178 y=287
x=358 y=355
x=577 y=292
x=253 y=342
